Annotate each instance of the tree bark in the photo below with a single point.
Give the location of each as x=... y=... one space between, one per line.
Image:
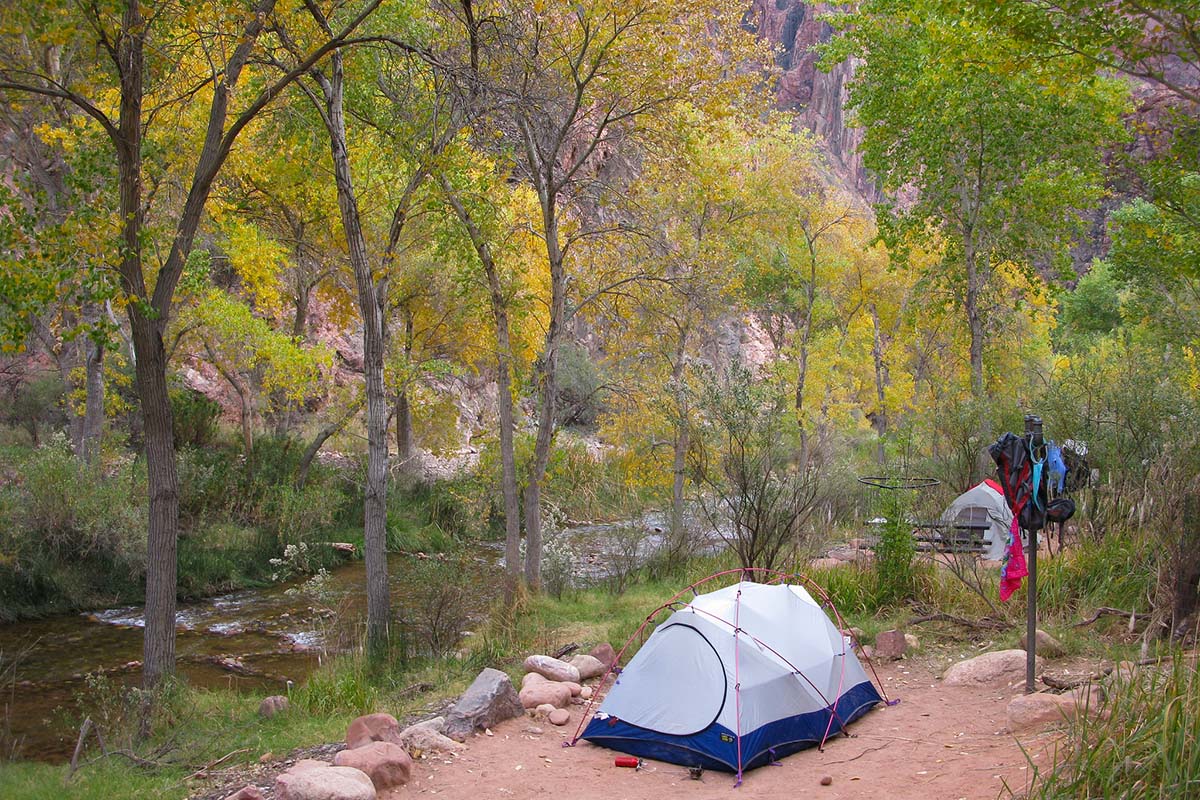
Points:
x=370 y=304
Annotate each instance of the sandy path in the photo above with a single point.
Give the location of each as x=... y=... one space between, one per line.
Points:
x=938 y=742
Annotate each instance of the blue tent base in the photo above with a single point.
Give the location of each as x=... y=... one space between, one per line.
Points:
x=716 y=748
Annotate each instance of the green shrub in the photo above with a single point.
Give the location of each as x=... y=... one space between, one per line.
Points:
x=193 y=417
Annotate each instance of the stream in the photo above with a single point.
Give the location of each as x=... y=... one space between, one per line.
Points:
x=253 y=640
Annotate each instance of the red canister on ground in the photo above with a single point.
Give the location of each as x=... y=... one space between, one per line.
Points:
x=628 y=761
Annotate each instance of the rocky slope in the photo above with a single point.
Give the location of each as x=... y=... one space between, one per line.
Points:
x=794 y=27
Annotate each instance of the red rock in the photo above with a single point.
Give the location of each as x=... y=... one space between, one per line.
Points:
x=326 y=783
x=556 y=694
x=373 y=728
x=270 y=706
x=386 y=764
x=531 y=678
x=604 y=654
x=247 y=792
x=559 y=716
x=588 y=666
x=552 y=668
x=890 y=645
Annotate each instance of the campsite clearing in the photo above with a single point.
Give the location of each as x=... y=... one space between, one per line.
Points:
x=938 y=742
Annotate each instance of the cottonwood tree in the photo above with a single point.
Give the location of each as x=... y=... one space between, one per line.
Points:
x=156 y=61
x=433 y=125
x=572 y=91
x=999 y=166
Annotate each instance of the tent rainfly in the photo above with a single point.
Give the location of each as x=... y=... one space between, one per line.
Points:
x=735 y=679
x=984 y=505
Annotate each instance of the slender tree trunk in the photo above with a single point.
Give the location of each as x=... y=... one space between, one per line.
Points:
x=404 y=433
x=371 y=306
x=93 y=417
x=976 y=279
x=681 y=445
x=504 y=401
x=547 y=386
x=314 y=447
x=404 y=428
x=882 y=381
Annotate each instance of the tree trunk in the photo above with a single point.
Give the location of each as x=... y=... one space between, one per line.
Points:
x=93 y=416
x=158 y=647
x=547 y=384
x=404 y=429
x=679 y=455
x=882 y=381
x=404 y=434
x=976 y=279
x=371 y=306
x=504 y=401
x=314 y=447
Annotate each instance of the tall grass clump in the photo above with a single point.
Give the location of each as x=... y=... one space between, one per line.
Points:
x=1142 y=744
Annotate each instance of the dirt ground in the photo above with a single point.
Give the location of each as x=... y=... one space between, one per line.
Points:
x=938 y=742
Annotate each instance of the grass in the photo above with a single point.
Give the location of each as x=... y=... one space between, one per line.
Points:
x=204 y=726
x=1144 y=743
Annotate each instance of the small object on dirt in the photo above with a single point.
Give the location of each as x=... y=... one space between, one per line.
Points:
x=826 y=780
x=696 y=773
x=628 y=761
x=265 y=757
x=566 y=649
x=488 y=732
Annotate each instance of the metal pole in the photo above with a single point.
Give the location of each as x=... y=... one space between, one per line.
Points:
x=1031 y=615
x=1033 y=434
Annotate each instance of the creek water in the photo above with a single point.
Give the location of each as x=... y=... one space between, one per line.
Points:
x=254 y=640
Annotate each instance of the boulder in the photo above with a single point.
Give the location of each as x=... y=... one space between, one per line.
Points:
x=559 y=716
x=589 y=667
x=247 y=792
x=552 y=668
x=423 y=738
x=324 y=783
x=890 y=645
x=488 y=701
x=386 y=764
x=532 y=677
x=1038 y=710
x=544 y=710
x=997 y=669
x=1047 y=645
x=825 y=563
x=556 y=694
x=372 y=728
x=604 y=653
x=575 y=688
x=436 y=724
x=270 y=706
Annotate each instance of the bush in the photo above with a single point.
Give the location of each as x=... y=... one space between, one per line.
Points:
x=74 y=511
x=193 y=417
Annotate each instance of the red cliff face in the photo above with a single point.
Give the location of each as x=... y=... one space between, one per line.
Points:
x=794 y=27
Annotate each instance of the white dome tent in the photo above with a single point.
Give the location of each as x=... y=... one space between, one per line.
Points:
x=735 y=679
x=984 y=505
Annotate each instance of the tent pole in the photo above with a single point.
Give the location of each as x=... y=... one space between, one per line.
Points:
x=1031 y=615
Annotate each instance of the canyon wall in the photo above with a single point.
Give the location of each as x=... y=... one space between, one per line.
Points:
x=793 y=27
